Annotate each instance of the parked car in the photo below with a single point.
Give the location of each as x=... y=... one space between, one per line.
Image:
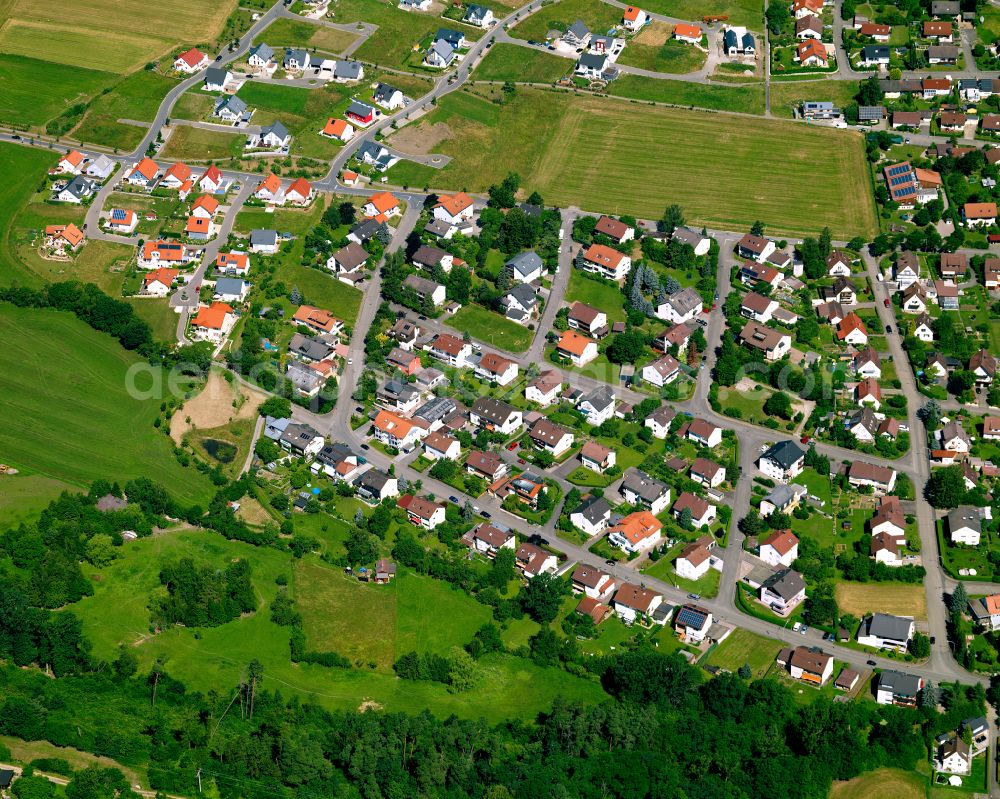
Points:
x=512 y=446
x=885 y=302
x=888 y=328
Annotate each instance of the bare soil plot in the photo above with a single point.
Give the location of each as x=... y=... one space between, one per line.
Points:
x=214 y=407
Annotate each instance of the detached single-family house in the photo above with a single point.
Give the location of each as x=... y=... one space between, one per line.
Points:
x=638 y=488
x=551 y=437
x=773 y=344
x=636 y=532
x=544 y=389
x=807 y=664
x=213 y=322
x=597 y=457
x=884 y=631
x=495 y=415
x=578 y=349
x=496 y=369
x=478 y=15
x=783 y=461
x=683 y=306
x=632 y=602
x=191 y=61
x=525 y=267
x=701 y=432
x=780 y=548
x=702 y=512
x=694 y=561
x=965 y=525
x=592 y=515
x=896 y=688
x=422 y=512
x=633 y=18
x=606 y=262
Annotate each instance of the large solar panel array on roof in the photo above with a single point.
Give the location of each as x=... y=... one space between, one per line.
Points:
x=119 y=214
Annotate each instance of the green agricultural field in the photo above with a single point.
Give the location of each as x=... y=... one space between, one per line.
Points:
x=194 y=104
x=198 y=144
x=137 y=97
x=749 y=13
x=398 y=31
x=511 y=62
x=101 y=34
x=599 y=17
x=158 y=315
x=653 y=49
x=563 y=145
x=24 y=495
x=34 y=92
x=378 y=622
x=748 y=99
x=491 y=328
x=68 y=414
x=786 y=96
x=297 y=33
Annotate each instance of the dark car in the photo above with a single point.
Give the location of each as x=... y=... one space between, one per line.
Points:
x=365 y=446
x=871 y=663
x=453 y=500
x=888 y=328
x=487 y=515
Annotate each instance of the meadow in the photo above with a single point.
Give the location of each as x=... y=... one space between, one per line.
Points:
x=372 y=624
x=198 y=144
x=35 y=92
x=507 y=61
x=787 y=96
x=747 y=99
x=901 y=599
x=115 y=40
x=724 y=175
x=137 y=97
x=399 y=32
x=68 y=414
x=654 y=49
x=599 y=17
x=883 y=783
x=485 y=325
x=295 y=33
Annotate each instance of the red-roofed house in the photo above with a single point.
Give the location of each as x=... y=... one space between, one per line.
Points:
x=454 y=208
x=213 y=322
x=579 y=349
x=606 y=262
x=300 y=192
x=634 y=18
x=233 y=263
x=382 y=204
x=191 y=61
x=158 y=282
x=780 y=548
x=176 y=175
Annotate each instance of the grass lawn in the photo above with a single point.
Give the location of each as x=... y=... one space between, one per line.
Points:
x=89 y=37
x=743 y=646
x=67 y=413
x=899 y=599
x=194 y=104
x=748 y=13
x=748 y=99
x=136 y=97
x=588 y=478
x=25 y=495
x=567 y=144
x=601 y=295
x=507 y=61
x=323 y=290
x=367 y=622
x=789 y=95
x=599 y=17
x=489 y=327
x=36 y=91
x=750 y=405
x=158 y=315
x=653 y=49
x=884 y=783
x=663 y=569
x=297 y=33
x=198 y=144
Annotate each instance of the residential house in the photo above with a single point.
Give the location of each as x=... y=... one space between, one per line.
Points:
x=230 y=108
x=301 y=440
x=318 y=319
x=478 y=15
x=632 y=602
x=979 y=214
x=758 y=307
x=868 y=392
x=783 y=461
x=454 y=208
x=597 y=405
x=589 y=319
x=636 y=532
x=597 y=457
x=592 y=582
x=953 y=437
x=780 y=548
x=551 y=437
x=592 y=515
x=881 y=478
x=707 y=473
x=954 y=755
x=702 y=512
x=382 y=204
x=896 y=688
x=699 y=243
x=985 y=612
x=191 y=61
x=451 y=349
x=808 y=664
x=965 y=525
x=773 y=344
x=71 y=163
x=885 y=631
x=496 y=369
x=984 y=366
x=606 y=262
x=783 y=591
x=487 y=465
x=489 y=539
x=398 y=396
x=544 y=389
x=375 y=486
x=426 y=290
x=755 y=248
x=389 y=97
x=783 y=498
x=520 y=303
x=682 y=306
x=440 y=54
x=532 y=561
x=692 y=623
x=121 y=220
x=694 y=560
x=525 y=267
x=396 y=432
x=659 y=421
x=703 y=433
x=496 y=415
x=614 y=229
x=578 y=349
x=852 y=330
x=231 y=289
x=213 y=322
x=422 y=512
x=76 y=191
x=634 y=18
x=347 y=259
x=811 y=52
x=158 y=282
x=264 y=242
x=638 y=488
x=867 y=363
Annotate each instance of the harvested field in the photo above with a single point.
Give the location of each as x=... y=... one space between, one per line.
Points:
x=899 y=599
x=421 y=139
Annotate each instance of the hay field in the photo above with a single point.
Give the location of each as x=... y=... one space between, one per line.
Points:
x=109 y=35
x=899 y=599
